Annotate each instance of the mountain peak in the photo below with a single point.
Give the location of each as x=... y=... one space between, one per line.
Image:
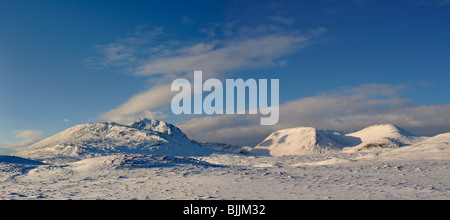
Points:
x=297 y=141
x=146 y=123
x=156 y=125
x=385 y=126
x=387 y=130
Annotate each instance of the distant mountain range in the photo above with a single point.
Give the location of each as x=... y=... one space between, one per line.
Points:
x=148 y=136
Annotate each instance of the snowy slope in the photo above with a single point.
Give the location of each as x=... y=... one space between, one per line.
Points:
x=299 y=141
x=144 y=136
x=377 y=137
x=241 y=177
x=307 y=141
x=135 y=161
x=433 y=148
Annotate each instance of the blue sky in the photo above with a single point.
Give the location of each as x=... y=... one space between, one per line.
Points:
x=64 y=63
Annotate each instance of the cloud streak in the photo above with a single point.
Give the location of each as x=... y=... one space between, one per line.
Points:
x=141 y=105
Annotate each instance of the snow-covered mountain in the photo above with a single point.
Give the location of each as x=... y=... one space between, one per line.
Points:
x=299 y=141
x=382 y=136
x=144 y=136
x=307 y=141
x=148 y=136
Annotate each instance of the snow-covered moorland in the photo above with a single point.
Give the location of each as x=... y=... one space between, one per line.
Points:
x=151 y=159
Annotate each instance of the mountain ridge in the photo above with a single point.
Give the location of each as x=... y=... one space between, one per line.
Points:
x=149 y=136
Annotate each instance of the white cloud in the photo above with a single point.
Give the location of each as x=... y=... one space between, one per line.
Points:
x=231 y=129
x=27 y=138
x=141 y=105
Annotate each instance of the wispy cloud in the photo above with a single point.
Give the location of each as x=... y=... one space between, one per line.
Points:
x=229 y=55
x=260 y=46
x=127 y=52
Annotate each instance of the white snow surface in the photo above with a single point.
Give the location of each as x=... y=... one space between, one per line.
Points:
x=84 y=163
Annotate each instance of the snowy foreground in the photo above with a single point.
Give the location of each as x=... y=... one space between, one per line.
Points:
x=85 y=162
x=227 y=177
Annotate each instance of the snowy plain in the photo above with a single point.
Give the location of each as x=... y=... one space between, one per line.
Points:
x=419 y=169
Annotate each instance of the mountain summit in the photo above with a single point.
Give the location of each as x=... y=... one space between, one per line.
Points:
x=298 y=141
x=158 y=126
x=144 y=136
